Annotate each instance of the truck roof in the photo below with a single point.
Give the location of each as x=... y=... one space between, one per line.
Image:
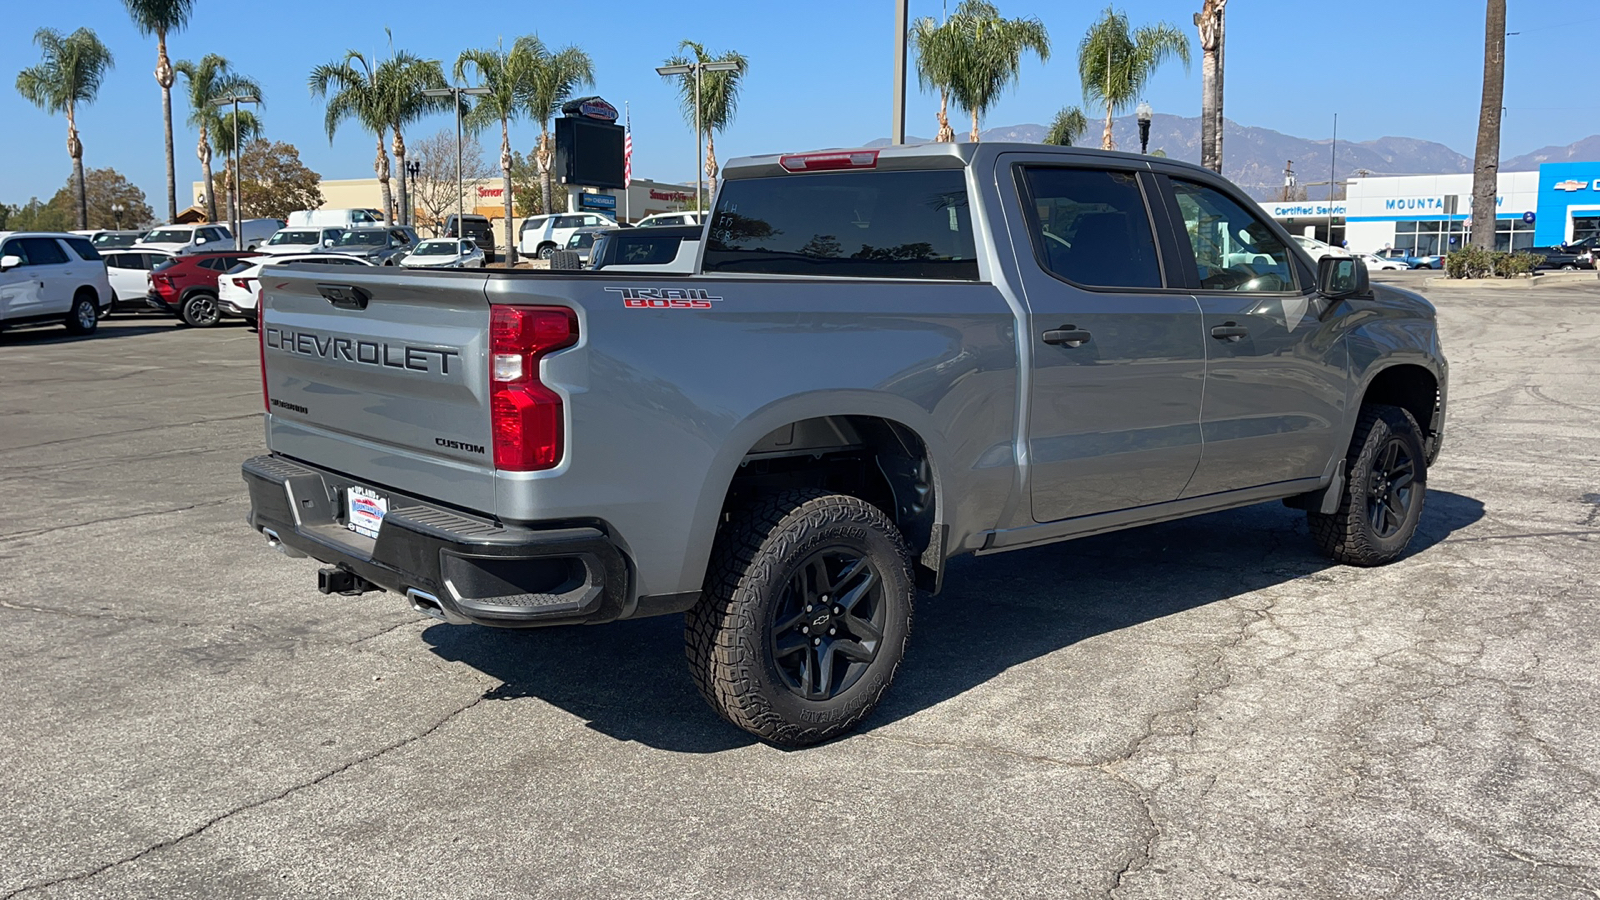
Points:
x=929 y=156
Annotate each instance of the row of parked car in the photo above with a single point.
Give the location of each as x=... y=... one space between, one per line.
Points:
x=1575 y=255
x=196 y=273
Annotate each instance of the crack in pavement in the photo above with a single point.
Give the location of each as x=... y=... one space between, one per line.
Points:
x=11 y=538
x=201 y=829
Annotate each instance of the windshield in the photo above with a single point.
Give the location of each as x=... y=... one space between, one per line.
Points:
x=169 y=236
x=110 y=240
x=293 y=237
x=363 y=239
x=438 y=248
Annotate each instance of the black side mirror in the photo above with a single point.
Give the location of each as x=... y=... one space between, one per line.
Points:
x=1341 y=277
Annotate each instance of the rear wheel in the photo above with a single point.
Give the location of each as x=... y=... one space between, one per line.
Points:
x=200 y=310
x=84 y=316
x=804 y=617
x=546 y=251
x=1386 y=482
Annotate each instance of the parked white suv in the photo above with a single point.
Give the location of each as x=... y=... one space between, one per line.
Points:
x=48 y=278
x=181 y=240
x=298 y=239
x=674 y=218
x=542 y=236
x=129 y=274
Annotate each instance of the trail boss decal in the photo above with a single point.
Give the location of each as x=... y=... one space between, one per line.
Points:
x=665 y=298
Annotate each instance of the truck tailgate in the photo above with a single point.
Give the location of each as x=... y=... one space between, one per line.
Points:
x=381 y=375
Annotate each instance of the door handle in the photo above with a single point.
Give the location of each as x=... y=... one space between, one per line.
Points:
x=1232 y=332
x=1066 y=334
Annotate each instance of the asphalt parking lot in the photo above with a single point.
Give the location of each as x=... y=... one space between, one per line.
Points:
x=1200 y=709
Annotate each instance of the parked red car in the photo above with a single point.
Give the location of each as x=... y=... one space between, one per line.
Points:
x=186 y=286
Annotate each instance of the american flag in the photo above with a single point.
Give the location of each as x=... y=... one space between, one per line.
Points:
x=627 y=153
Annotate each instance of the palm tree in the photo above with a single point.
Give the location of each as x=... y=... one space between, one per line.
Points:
x=938 y=49
x=70 y=74
x=1211 y=21
x=208 y=80
x=991 y=55
x=1115 y=62
x=1069 y=125
x=508 y=74
x=401 y=79
x=161 y=18
x=353 y=92
x=719 y=98
x=552 y=82
x=1486 y=168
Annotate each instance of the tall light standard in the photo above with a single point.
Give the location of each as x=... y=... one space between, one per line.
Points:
x=695 y=68
x=413 y=169
x=117 y=209
x=235 y=210
x=1144 y=113
x=461 y=190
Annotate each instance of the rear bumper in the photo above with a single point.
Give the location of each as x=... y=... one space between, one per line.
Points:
x=453 y=566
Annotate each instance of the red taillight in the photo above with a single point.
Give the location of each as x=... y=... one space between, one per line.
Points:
x=822 y=162
x=525 y=415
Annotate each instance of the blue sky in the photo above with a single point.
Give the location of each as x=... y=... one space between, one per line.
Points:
x=820 y=73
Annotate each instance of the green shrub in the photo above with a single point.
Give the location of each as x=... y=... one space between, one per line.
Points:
x=1469 y=262
x=1512 y=265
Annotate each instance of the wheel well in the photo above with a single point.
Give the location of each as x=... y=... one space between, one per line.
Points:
x=1411 y=388
x=874 y=459
x=94 y=295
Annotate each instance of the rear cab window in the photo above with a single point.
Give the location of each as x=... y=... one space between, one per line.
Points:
x=877 y=224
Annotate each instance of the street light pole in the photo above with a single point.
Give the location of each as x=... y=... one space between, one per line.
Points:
x=1145 y=113
x=461 y=190
x=897 y=132
x=695 y=68
x=116 y=212
x=236 y=208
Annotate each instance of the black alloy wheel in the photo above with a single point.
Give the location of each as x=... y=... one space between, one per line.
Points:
x=200 y=310
x=1392 y=488
x=828 y=626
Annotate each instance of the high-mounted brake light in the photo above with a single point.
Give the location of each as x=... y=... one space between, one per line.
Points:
x=525 y=415
x=823 y=162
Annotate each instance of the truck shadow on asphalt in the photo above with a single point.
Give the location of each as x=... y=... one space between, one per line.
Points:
x=629 y=680
x=54 y=334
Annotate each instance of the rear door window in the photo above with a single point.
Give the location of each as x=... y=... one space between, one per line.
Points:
x=1091 y=227
x=875 y=224
x=44 y=252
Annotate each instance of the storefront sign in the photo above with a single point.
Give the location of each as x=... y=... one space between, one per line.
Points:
x=1294 y=210
x=599 y=202
x=491 y=192
x=670 y=196
x=590 y=107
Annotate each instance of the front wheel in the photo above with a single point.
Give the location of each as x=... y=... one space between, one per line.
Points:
x=804 y=617
x=200 y=311
x=1386 y=482
x=547 y=251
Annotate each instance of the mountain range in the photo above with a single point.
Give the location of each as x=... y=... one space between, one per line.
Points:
x=1254 y=158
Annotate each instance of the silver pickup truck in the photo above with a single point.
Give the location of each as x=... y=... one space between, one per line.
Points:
x=884 y=359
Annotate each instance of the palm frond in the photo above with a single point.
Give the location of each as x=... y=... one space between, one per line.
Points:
x=159 y=17
x=1069 y=125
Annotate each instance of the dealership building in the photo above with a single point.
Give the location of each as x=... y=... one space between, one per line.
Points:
x=1432 y=213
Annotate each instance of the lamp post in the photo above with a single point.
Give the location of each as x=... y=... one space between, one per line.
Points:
x=461 y=190
x=695 y=68
x=413 y=169
x=1144 y=113
x=235 y=210
x=117 y=209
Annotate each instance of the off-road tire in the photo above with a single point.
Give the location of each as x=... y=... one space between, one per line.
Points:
x=200 y=310
x=1349 y=536
x=84 y=316
x=729 y=633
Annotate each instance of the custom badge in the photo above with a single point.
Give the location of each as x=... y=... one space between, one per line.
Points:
x=665 y=298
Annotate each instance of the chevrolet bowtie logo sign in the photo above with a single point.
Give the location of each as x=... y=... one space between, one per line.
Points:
x=1571 y=186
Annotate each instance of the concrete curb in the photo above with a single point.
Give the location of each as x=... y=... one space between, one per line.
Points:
x=1548 y=279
